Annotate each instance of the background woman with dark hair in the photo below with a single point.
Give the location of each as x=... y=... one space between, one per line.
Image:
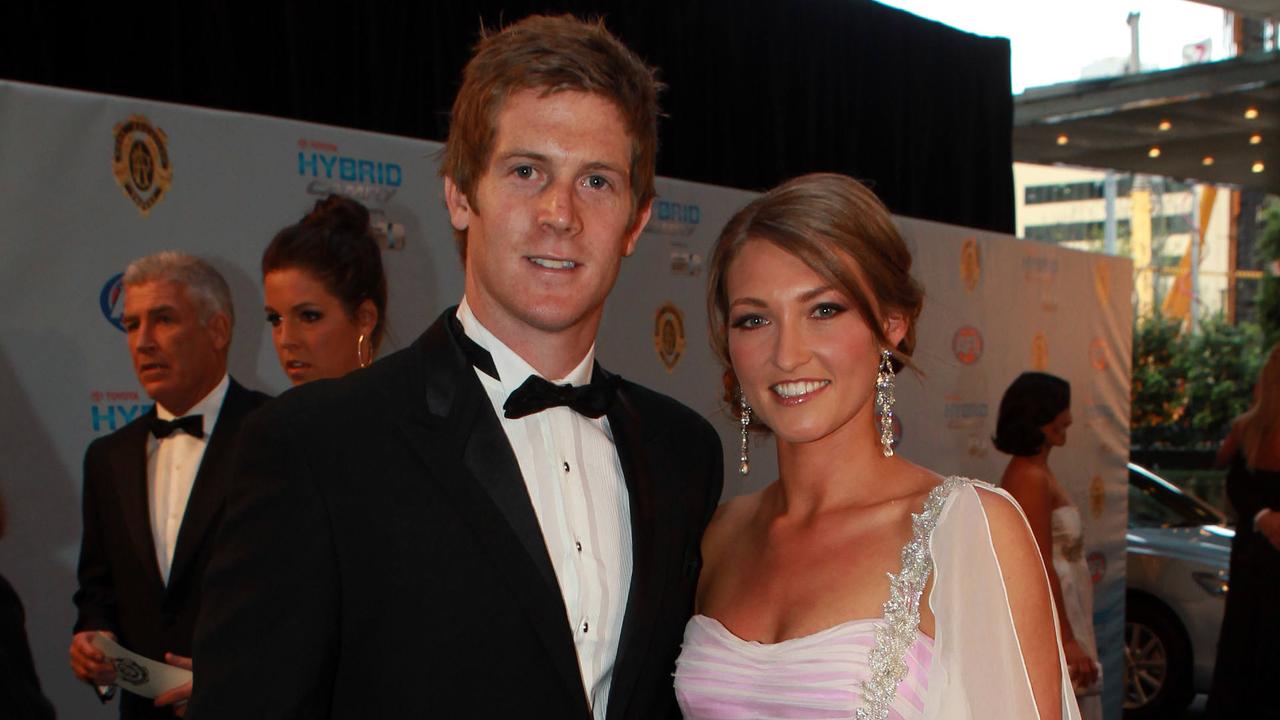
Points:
x=326 y=293
x=1247 y=670
x=1035 y=413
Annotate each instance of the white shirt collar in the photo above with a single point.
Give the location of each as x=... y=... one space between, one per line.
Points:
x=512 y=369
x=208 y=407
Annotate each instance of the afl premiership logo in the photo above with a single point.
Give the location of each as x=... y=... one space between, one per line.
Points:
x=668 y=335
x=111 y=299
x=967 y=345
x=130 y=671
x=140 y=161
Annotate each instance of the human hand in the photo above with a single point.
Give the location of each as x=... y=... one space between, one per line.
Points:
x=1084 y=672
x=178 y=696
x=1269 y=526
x=88 y=662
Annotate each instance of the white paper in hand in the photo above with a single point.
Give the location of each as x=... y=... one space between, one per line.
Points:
x=138 y=674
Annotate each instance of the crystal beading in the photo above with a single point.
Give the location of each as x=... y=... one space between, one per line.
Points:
x=897 y=632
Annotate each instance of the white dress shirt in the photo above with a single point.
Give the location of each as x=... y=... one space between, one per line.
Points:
x=574 y=478
x=172 y=464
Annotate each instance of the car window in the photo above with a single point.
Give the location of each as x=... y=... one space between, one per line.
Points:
x=1154 y=505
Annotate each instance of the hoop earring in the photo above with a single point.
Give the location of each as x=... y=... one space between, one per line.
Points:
x=360 y=358
x=884 y=401
x=744 y=417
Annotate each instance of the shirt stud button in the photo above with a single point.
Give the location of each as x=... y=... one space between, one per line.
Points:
x=585 y=627
x=578 y=545
x=566 y=467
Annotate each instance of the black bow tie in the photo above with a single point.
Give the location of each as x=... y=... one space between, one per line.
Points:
x=192 y=425
x=537 y=394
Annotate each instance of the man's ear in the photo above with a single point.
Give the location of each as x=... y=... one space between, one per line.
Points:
x=458 y=204
x=637 y=227
x=895 y=327
x=219 y=327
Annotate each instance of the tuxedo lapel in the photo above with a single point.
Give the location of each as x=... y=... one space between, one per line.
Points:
x=129 y=477
x=460 y=441
x=205 y=500
x=642 y=464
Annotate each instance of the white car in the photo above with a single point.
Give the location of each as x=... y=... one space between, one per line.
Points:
x=1179 y=551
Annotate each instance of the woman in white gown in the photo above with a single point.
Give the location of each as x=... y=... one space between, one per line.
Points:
x=1035 y=413
x=858 y=584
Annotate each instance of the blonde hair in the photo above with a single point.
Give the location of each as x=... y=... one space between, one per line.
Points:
x=1262 y=421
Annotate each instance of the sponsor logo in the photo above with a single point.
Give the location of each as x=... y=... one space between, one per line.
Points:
x=1039 y=268
x=673 y=218
x=111 y=300
x=130 y=671
x=1097 y=496
x=390 y=235
x=372 y=182
x=1098 y=354
x=970 y=264
x=1097 y=563
x=963 y=413
x=140 y=162
x=1040 y=352
x=966 y=343
x=668 y=335
x=685 y=261
x=111 y=410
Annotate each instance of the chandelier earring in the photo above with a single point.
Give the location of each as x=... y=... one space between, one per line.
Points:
x=744 y=417
x=884 y=401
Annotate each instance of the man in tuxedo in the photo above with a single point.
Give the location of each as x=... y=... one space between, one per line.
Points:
x=486 y=524
x=153 y=490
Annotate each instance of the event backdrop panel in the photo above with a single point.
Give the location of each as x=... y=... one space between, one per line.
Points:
x=89 y=182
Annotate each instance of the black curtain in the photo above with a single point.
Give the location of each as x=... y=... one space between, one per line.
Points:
x=758 y=90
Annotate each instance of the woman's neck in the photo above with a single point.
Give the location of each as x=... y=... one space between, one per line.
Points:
x=846 y=468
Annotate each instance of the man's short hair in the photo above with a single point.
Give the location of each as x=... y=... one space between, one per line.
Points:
x=551 y=53
x=205 y=286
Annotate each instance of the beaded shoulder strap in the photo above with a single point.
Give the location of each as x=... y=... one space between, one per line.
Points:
x=897 y=633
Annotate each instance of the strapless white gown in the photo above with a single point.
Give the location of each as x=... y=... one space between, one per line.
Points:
x=1077 y=596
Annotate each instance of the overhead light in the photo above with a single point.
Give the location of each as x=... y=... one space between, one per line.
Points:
x=1251 y=113
x=1063 y=139
x=1258 y=166
x=1207 y=161
x=1165 y=125
x=1255 y=139
x=1154 y=152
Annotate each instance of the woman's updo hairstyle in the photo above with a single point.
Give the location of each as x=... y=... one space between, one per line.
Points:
x=335 y=244
x=842 y=231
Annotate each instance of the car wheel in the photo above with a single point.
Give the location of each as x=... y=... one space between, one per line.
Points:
x=1157 y=661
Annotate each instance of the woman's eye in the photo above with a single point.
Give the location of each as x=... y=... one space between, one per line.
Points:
x=273 y=319
x=747 y=322
x=310 y=316
x=827 y=310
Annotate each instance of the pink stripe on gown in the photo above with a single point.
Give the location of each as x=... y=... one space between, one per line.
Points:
x=720 y=676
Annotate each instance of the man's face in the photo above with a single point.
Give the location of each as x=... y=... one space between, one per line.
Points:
x=550 y=218
x=177 y=358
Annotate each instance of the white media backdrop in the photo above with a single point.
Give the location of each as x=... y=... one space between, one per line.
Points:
x=89 y=182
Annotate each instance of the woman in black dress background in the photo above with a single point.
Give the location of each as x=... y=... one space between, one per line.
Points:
x=1246 y=675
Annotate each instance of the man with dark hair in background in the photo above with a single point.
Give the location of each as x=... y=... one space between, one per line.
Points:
x=153 y=490
x=487 y=523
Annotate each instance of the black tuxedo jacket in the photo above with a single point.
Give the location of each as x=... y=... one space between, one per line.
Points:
x=121 y=589
x=381 y=557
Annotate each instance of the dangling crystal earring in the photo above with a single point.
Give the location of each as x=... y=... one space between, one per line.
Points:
x=884 y=401
x=744 y=417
